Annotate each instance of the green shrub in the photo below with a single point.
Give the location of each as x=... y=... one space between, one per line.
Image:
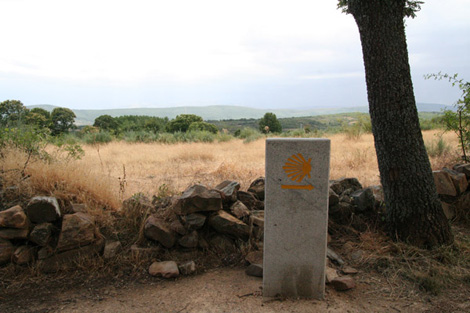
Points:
x=97 y=138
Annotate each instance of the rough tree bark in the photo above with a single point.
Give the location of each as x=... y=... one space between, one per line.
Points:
x=414 y=212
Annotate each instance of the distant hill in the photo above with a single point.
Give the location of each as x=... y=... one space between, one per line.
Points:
x=222 y=112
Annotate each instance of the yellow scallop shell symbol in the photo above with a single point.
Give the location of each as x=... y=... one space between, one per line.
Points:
x=297 y=167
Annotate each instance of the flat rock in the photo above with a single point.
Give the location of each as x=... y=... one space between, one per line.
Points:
x=363 y=200
x=23 y=255
x=176 y=226
x=462 y=168
x=339 y=186
x=255 y=270
x=330 y=274
x=257 y=187
x=239 y=210
x=333 y=256
x=13 y=233
x=111 y=249
x=333 y=198
x=78 y=230
x=459 y=180
x=229 y=189
x=257 y=218
x=14 y=217
x=138 y=252
x=166 y=269
x=250 y=201
x=254 y=257
x=79 y=207
x=187 y=268
x=198 y=198
x=348 y=270
x=6 y=251
x=444 y=183
x=343 y=283
x=156 y=229
x=194 y=221
x=225 y=223
x=43 y=210
x=68 y=259
x=190 y=240
x=41 y=234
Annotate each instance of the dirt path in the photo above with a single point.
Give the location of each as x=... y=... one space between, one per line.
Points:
x=220 y=290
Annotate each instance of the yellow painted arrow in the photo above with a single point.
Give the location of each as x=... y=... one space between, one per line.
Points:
x=308 y=187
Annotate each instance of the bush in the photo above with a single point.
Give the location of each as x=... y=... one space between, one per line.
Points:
x=97 y=138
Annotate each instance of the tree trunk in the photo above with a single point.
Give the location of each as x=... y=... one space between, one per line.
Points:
x=414 y=212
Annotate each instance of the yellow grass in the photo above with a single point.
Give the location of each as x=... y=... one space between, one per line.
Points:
x=99 y=179
x=149 y=166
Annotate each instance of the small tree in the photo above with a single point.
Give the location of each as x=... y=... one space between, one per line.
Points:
x=459 y=120
x=270 y=123
x=107 y=123
x=39 y=117
x=12 y=112
x=62 y=120
x=181 y=122
x=203 y=126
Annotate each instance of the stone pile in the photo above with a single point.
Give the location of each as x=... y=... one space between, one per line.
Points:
x=42 y=232
x=453 y=188
x=205 y=218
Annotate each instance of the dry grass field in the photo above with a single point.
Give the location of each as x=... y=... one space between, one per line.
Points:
x=115 y=171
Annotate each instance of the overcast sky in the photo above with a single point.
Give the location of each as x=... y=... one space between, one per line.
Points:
x=97 y=54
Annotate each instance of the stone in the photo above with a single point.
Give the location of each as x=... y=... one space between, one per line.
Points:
x=14 y=217
x=257 y=187
x=333 y=256
x=257 y=218
x=225 y=223
x=378 y=192
x=363 y=200
x=255 y=270
x=343 y=283
x=356 y=255
x=341 y=185
x=45 y=252
x=239 y=210
x=41 y=234
x=449 y=210
x=254 y=257
x=444 y=183
x=222 y=244
x=69 y=259
x=79 y=207
x=250 y=201
x=6 y=251
x=330 y=274
x=198 y=198
x=165 y=269
x=111 y=249
x=462 y=168
x=333 y=198
x=348 y=270
x=194 y=221
x=229 y=189
x=23 y=255
x=459 y=180
x=13 y=233
x=176 y=226
x=296 y=215
x=156 y=229
x=43 y=210
x=78 y=230
x=190 y=240
x=187 y=268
